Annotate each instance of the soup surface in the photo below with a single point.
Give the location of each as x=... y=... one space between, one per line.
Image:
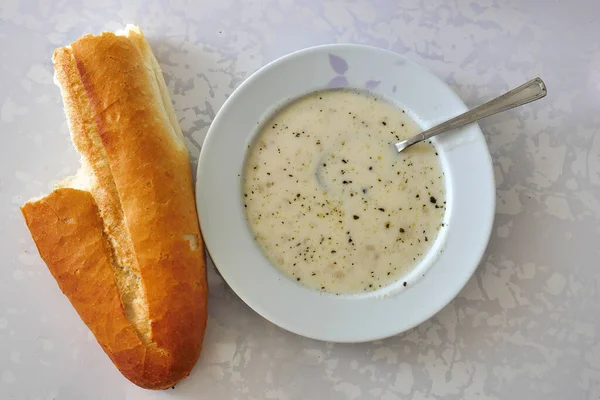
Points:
x=330 y=202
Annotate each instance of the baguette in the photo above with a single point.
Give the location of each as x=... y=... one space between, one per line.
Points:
x=121 y=237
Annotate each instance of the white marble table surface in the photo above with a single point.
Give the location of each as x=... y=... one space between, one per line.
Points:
x=527 y=325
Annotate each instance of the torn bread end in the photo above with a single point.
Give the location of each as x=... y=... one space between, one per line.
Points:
x=82 y=180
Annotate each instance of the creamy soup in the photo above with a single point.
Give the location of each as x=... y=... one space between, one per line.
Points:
x=330 y=202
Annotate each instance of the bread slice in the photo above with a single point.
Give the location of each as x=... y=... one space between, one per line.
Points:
x=122 y=237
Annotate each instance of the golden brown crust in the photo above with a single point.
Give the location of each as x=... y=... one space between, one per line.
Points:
x=87 y=140
x=143 y=250
x=68 y=219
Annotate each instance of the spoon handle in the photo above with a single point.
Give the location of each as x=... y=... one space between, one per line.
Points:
x=533 y=90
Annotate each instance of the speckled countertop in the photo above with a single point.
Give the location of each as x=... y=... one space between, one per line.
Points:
x=526 y=326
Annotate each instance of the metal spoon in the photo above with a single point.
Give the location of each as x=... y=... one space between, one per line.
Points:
x=533 y=90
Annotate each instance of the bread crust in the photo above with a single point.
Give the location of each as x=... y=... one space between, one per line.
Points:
x=139 y=282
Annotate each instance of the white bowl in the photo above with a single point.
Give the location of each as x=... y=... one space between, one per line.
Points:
x=470 y=193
